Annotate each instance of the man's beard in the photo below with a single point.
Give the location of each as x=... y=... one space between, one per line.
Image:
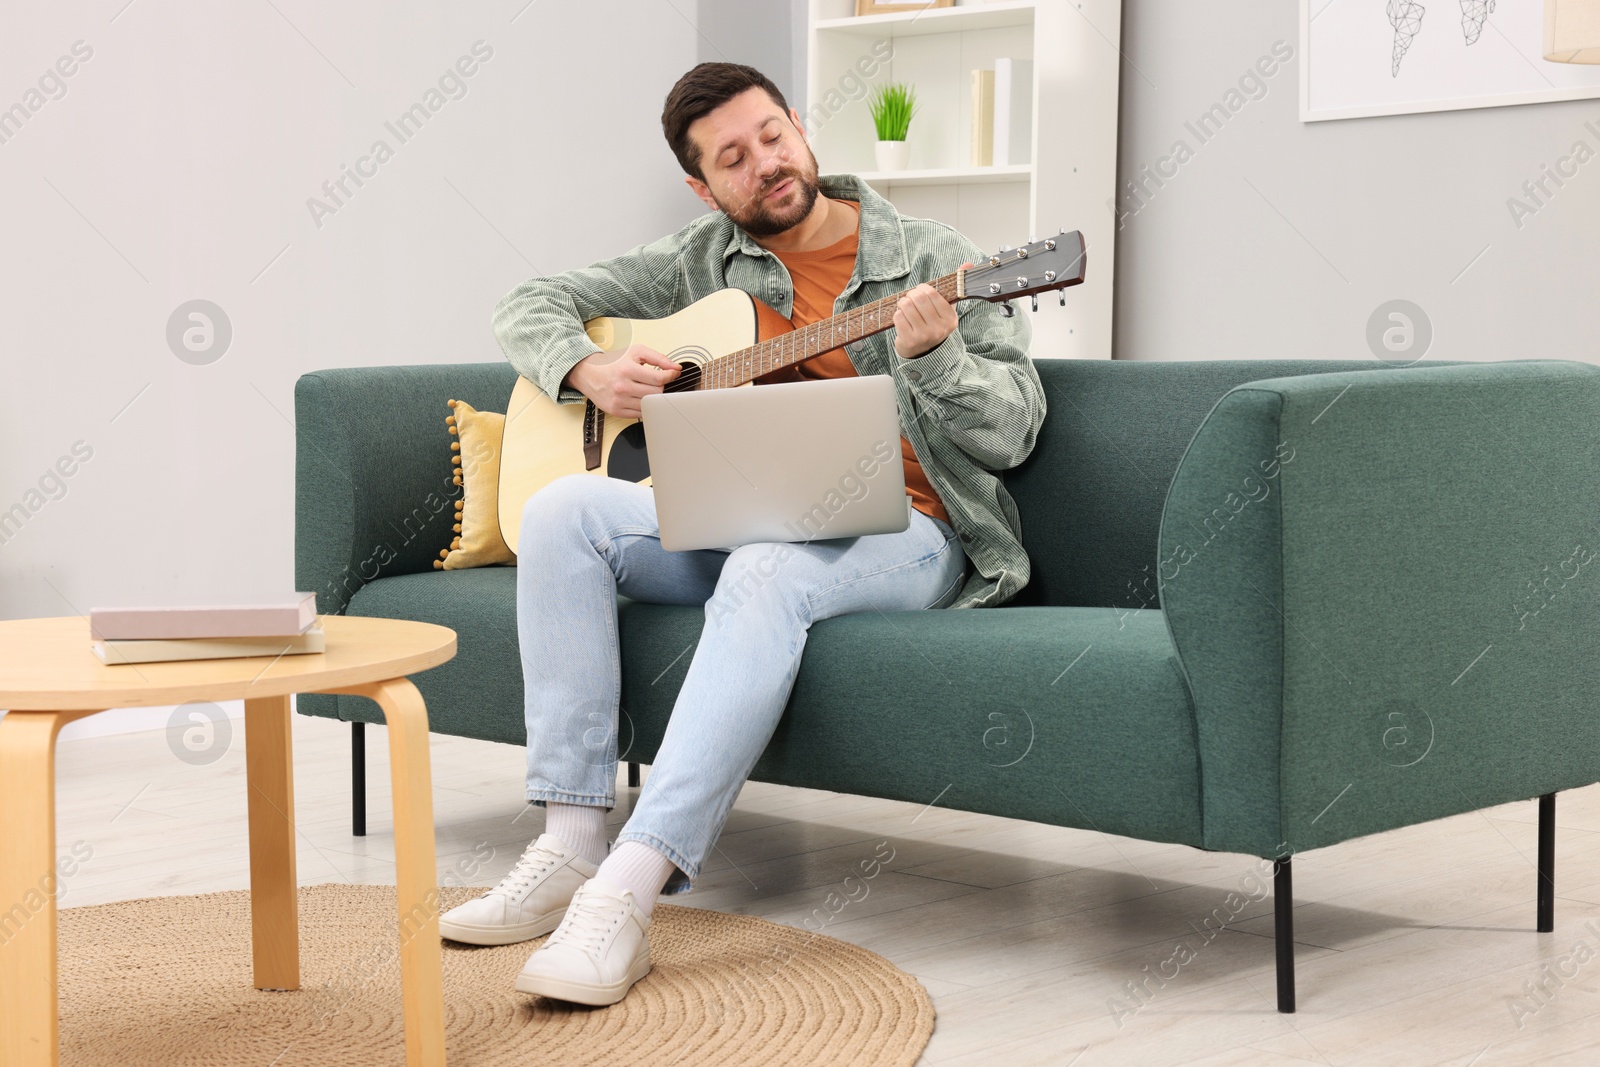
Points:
x=759 y=219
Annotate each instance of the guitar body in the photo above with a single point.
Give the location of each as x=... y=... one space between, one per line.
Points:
x=544 y=439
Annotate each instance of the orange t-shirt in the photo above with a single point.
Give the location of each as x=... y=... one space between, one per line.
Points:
x=819 y=277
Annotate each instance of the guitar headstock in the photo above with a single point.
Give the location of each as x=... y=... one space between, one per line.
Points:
x=1036 y=267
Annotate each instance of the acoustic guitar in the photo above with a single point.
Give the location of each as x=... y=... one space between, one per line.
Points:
x=721 y=341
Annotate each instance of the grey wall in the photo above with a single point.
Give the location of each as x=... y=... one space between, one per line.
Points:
x=758 y=33
x=1279 y=239
x=176 y=163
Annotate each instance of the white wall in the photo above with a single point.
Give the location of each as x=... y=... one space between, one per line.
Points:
x=177 y=165
x=1279 y=239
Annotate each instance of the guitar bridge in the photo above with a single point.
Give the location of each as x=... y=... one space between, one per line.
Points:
x=594 y=421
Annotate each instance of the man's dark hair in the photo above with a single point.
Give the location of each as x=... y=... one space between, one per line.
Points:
x=698 y=93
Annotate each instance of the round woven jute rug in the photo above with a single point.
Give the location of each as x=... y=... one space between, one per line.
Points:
x=167 y=981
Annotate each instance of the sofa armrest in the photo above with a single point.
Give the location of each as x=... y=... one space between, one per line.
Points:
x=374 y=485
x=1380 y=591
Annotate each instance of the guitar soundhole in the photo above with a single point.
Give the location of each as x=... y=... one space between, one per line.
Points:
x=628 y=458
x=689 y=379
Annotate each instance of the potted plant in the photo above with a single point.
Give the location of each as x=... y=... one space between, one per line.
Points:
x=892 y=107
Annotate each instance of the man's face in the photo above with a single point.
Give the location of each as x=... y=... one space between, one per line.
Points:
x=758 y=167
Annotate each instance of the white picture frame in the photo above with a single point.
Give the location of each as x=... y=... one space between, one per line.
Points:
x=1349 y=66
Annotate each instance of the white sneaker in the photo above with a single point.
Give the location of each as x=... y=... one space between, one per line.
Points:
x=529 y=902
x=600 y=949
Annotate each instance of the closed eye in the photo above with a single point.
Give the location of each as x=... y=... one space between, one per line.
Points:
x=740 y=159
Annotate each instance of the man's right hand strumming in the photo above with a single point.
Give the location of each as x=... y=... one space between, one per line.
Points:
x=616 y=381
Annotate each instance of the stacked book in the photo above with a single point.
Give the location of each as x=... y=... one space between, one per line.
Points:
x=160 y=634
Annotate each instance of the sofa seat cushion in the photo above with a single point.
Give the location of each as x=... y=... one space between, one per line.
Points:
x=1076 y=716
x=479 y=692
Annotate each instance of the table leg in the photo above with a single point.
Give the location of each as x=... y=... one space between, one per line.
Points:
x=416 y=875
x=29 y=1029
x=274 y=908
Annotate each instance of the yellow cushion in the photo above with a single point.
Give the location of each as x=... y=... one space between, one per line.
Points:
x=478 y=542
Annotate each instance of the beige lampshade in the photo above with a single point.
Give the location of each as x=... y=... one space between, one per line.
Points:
x=1572 y=31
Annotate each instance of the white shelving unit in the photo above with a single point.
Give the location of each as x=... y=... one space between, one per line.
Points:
x=1071 y=178
x=934 y=20
x=1021 y=172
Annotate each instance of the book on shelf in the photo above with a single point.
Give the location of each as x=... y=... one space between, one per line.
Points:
x=157 y=650
x=982 y=118
x=285 y=616
x=1013 y=111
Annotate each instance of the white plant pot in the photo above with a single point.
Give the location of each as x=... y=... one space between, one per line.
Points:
x=893 y=155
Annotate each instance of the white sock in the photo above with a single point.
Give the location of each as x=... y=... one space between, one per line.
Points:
x=636 y=866
x=581 y=827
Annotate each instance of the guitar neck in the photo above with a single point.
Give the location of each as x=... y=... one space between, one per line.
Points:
x=747 y=364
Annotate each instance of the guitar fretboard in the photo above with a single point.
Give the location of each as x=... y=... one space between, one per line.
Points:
x=748 y=364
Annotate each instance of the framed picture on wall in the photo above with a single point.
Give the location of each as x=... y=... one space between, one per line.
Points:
x=1404 y=56
x=867 y=7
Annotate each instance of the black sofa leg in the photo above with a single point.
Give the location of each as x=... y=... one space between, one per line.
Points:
x=358 y=778
x=633 y=776
x=1283 y=932
x=1547 y=863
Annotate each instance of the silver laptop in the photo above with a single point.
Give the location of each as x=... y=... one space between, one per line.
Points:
x=794 y=461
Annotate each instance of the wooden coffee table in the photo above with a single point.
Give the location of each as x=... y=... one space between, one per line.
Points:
x=49 y=677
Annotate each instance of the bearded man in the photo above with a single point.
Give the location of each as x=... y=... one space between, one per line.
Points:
x=970 y=402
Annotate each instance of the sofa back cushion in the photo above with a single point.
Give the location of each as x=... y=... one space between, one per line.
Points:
x=1091 y=492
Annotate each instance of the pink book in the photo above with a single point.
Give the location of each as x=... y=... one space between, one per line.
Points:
x=277 y=617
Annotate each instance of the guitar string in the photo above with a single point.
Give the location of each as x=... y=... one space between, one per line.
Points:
x=799 y=345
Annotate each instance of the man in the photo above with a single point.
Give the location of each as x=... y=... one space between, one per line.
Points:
x=970 y=404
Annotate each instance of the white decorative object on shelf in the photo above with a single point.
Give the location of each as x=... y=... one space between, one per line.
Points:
x=893 y=155
x=1013 y=111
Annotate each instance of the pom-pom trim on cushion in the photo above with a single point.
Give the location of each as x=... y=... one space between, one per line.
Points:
x=478 y=541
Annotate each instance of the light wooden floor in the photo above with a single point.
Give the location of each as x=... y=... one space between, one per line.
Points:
x=1414 y=946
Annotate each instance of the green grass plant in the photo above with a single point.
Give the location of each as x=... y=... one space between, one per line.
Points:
x=892 y=108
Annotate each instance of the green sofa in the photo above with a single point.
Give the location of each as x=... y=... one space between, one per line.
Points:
x=1274 y=605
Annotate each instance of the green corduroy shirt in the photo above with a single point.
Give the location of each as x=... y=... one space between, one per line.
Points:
x=971 y=406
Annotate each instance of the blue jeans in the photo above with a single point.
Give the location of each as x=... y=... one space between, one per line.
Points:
x=587 y=537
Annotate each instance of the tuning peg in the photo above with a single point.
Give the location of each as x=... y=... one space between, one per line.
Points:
x=1062 y=293
x=1006 y=309
x=1005 y=248
x=1036 y=301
